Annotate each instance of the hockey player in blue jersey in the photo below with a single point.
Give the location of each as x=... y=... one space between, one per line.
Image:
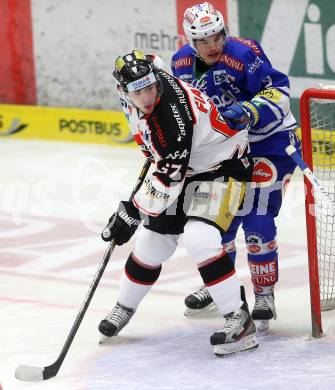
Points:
x=241 y=81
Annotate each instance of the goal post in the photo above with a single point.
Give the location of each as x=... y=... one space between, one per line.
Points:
x=317 y=111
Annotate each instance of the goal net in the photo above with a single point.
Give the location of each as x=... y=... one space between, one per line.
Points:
x=318 y=138
x=323 y=147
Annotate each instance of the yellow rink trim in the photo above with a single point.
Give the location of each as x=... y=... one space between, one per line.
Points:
x=64 y=124
x=323 y=147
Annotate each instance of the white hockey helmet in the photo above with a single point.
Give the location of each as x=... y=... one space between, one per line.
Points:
x=201 y=21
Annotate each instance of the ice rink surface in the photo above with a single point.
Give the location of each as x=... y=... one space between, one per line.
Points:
x=55 y=198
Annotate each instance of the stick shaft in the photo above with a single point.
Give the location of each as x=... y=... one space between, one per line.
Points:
x=97 y=276
x=293 y=153
x=28 y=373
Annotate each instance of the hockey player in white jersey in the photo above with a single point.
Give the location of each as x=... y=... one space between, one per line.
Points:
x=200 y=170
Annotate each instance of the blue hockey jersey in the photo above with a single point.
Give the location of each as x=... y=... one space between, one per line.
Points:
x=243 y=72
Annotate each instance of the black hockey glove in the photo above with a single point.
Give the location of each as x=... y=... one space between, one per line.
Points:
x=122 y=224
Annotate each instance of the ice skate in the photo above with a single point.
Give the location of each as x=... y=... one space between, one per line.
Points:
x=264 y=310
x=199 y=302
x=237 y=335
x=116 y=320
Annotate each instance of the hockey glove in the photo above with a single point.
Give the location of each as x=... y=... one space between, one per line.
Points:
x=238 y=116
x=122 y=224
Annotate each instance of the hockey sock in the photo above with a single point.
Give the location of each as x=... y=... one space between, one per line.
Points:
x=137 y=279
x=220 y=278
x=264 y=271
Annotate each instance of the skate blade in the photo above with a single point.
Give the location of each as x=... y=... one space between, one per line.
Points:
x=105 y=339
x=262 y=325
x=246 y=343
x=211 y=308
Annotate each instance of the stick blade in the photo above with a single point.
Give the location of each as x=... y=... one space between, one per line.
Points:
x=29 y=373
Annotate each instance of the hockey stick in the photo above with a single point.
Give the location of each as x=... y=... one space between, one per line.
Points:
x=293 y=153
x=34 y=374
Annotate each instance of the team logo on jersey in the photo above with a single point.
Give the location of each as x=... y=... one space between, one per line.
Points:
x=159 y=132
x=153 y=192
x=232 y=62
x=264 y=173
x=180 y=122
x=220 y=76
x=178 y=154
x=255 y=65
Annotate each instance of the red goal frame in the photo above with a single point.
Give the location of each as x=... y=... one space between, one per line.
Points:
x=306 y=135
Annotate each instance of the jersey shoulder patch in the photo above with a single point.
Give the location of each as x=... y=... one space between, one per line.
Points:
x=184 y=57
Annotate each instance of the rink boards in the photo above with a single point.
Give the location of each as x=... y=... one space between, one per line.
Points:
x=65 y=124
x=105 y=127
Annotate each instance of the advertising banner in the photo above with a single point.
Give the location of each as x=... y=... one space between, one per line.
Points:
x=298 y=38
x=65 y=124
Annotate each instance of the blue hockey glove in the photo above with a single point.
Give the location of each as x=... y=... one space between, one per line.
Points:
x=238 y=116
x=122 y=224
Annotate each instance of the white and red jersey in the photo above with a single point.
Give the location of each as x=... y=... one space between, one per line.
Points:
x=184 y=135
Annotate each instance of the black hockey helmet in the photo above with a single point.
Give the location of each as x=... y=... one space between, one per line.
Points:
x=135 y=71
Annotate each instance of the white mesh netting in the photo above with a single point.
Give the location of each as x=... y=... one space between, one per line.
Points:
x=323 y=144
